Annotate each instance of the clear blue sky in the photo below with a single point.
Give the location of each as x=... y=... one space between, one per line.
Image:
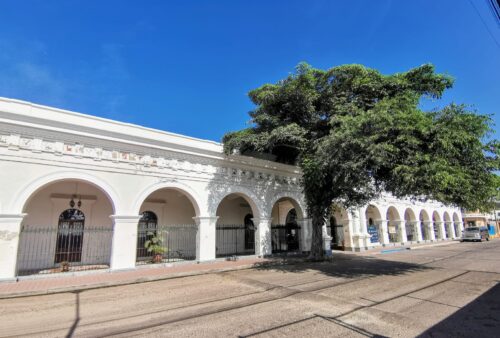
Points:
x=186 y=66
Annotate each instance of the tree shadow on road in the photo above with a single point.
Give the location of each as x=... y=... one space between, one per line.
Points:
x=341 y=266
x=480 y=318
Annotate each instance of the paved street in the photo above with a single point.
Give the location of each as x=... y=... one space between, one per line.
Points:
x=451 y=290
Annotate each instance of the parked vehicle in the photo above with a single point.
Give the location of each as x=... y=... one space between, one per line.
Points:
x=476 y=234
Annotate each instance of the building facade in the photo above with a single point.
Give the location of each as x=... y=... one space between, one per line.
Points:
x=81 y=192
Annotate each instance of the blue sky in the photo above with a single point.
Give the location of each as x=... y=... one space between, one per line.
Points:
x=186 y=66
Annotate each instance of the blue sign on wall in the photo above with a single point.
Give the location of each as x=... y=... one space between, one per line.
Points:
x=373 y=231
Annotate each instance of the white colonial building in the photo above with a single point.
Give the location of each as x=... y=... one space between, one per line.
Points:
x=80 y=192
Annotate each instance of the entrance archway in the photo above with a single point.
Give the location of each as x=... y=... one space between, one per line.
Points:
x=67 y=228
x=436 y=223
x=235 y=230
x=339 y=217
x=373 y=223
x=447 y=225
x=411 y=225
x=393 y=224
x=424 y=225
x=285 y=229
x=166 y=231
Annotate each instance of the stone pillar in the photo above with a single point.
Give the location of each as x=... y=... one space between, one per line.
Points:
x=430 y=229
x=451 y=230
x=418 y=231
x=358 y=237
x=206 y=238
x=263 y=240
x=401 y=228
x=349 y=236
x=10 y=229
x=364 y=228
x=384 y=236
x=124 y=246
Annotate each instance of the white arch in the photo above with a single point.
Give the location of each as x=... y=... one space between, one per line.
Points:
x=437 y=218
x=185 y=189
x=395 y=212
x=411 y=213
x=428 y=215
x=378 y=210
x=30 y=189
x=295 y=200
x=247 y=194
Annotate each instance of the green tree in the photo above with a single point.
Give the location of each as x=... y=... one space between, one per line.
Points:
x=355 y=132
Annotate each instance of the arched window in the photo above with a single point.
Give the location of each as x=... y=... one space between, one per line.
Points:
x=70 y=236
x=148 y=225
x=249 y=232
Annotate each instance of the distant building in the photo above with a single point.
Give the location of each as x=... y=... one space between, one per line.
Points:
x=489 y=219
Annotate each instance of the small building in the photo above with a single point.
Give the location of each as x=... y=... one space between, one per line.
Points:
x=81 y=192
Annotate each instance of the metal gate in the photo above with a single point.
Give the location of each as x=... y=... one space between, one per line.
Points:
x=285 y=238
x=235 y=240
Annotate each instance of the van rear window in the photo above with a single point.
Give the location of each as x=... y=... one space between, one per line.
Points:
x=471 y=229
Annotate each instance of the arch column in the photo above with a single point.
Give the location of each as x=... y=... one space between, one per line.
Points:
x=401 y=229
x=384 y=236
x=418 y=231
x=206 y=238
x=263 y=240
x=124 y=245
x=10 y=229
x=430 y=230
x=451 y=230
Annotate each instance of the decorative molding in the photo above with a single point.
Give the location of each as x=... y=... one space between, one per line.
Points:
x=177 y=162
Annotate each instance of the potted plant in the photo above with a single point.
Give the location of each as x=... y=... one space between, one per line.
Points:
x=154 y=245
x=64 y=266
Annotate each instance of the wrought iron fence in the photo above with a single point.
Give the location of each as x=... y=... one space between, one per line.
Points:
x=235 y=240
x=49 y=249
x=171 y=243
x=285 y=238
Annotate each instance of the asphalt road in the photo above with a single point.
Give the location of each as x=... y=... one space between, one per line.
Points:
x=451 y=290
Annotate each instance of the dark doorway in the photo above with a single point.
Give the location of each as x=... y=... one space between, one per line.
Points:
x=147 y=228
x=70 y=236
x=249 y=232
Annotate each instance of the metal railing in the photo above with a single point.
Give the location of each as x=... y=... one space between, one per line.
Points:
x=49 y=249
x=173 y=243
x=285 y=238
x=234 y=240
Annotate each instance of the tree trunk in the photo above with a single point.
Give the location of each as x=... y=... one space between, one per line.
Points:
x=317 y=251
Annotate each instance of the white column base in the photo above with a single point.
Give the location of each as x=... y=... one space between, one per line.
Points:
x=206 y=238
x=10 y=228
x=124 y=247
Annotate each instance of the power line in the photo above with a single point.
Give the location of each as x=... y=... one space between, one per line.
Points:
x=484 y=23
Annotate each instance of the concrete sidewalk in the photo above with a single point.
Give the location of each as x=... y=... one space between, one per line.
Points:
x=49 y=284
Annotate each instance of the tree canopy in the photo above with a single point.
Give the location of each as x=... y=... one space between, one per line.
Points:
x=356 y=133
